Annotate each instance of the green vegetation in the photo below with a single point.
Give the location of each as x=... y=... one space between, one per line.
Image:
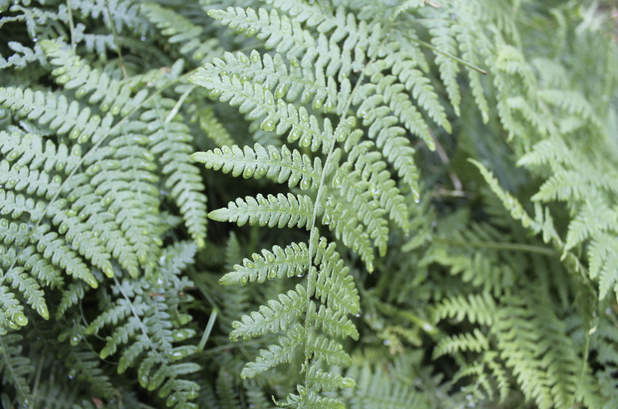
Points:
x=308 y=204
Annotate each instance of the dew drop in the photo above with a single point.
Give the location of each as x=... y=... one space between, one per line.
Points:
x=281 y=90
x=317 y=103
x=293 y=181
x=74 y=133
x=268 y=125
x=326 y=219
x=63 y=79
x=115 y=109
x=348 y=383
x=305 y=141
x=337 y=181
x=305 y=184
x=254 y=57
x=83 y=138
x=80 y=92
x=248 y=172
x=20 y=319
x=181 y=335
x=294 y=135
x=329 y=105
x=305 y=96
x=75 y=339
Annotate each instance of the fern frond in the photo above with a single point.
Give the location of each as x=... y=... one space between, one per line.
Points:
x=333 y=285
x=74 y=73
x=310 y=83
x=179 y=30
x=328 y=381
x=358 y=193
x=403 y=63
x=85 y=366
x=377 y=387
x=273 y=317
x=141 y=319
x=276 y=354
x=278 y=263
x=267 y=25
x=56 y=113
x=171 y=142
x=278 y=165
x=335 y=324
x=213 y=128
x=329 y=350
x=280 y=210
x=443 y=38
x=259 y=103
x=574 y=104
x=377 y=102
x=15 y=367
x=348 y=228
x=475 y=341
x=475 y=307
x=519 y=342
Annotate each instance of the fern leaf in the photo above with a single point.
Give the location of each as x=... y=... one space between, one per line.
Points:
x=213 y=128
x=290 y=210
x=309 y=399
x=276 y=354
x=443 y=38
x=14 y=366
x=335 y=324
x=329 y=350
x=469 y=48
x=328 y=381
x=260 y=103
x=404 y=64
x=333 y=285
x=357 y=192
x=73 y=73
x=278 y=263
x=141 y=320
x=475 y=341
x=593 y=217
x=278 y=165
x=267 y=25
x=12 y=313
x=476 y=307
x=56 y=113
x=273 y=317
x=179 y=30
x=348 y=228
x=171 y=142
x=310 y=83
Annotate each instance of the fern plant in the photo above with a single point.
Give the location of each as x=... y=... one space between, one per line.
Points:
x=441 y=176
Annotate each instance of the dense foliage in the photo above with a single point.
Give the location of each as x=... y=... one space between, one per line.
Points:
x=308 y=204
